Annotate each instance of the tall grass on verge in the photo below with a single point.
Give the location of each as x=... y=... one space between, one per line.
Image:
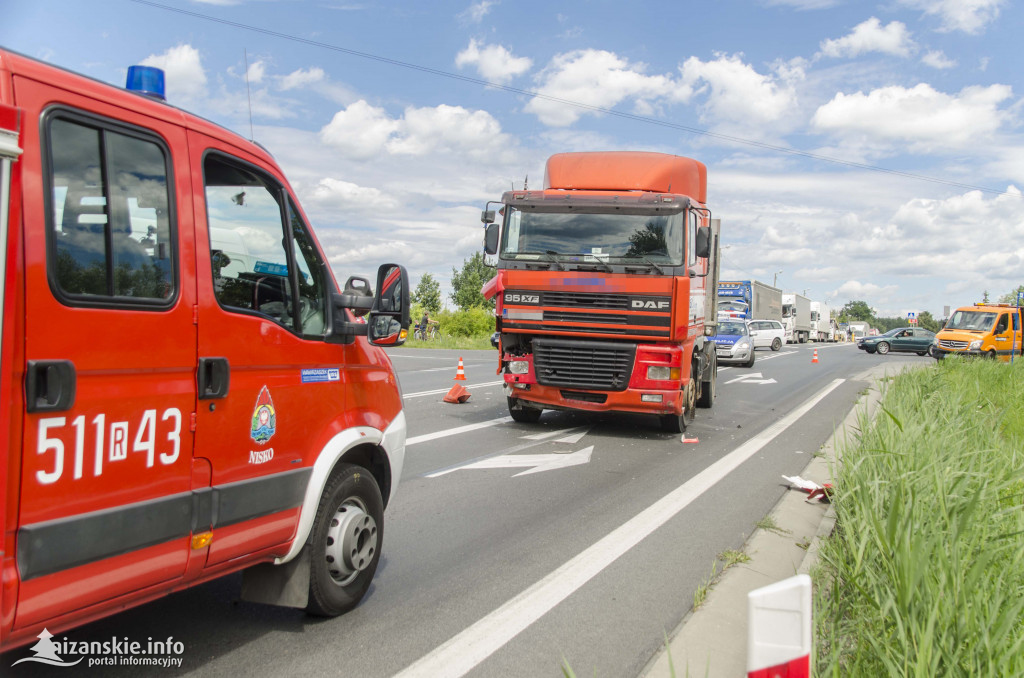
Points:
x=924 y=575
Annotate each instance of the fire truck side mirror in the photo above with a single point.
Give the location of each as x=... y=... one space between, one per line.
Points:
x=703 y=245
x=491 y=238
x=388 y=322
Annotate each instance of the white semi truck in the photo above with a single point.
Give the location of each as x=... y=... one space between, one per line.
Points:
x=823 y=326
x=796 y=318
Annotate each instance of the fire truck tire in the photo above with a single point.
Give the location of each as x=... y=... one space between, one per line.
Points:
x=707 y=388
x=345 y=541
x=776 y=344
x=521 y=413
x=674 y=423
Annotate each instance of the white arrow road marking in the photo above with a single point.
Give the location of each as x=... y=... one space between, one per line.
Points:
x=752 y=378
x=572 y=439
x=460 y=654
x=538 y=462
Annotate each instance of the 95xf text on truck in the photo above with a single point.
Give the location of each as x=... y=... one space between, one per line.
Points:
x=606 y=287
x=177 y=407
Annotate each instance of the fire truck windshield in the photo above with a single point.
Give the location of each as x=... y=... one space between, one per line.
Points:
x=619 y=237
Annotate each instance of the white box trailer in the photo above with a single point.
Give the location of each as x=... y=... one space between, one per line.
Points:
x=796 y=317
x=823 y=326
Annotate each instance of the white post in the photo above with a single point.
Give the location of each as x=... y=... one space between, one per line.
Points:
x=779 y=629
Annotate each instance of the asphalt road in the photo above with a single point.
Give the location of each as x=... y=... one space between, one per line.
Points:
x=511 y=547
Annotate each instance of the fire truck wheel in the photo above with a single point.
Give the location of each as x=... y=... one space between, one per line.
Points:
x=346 y=541
x=521 y=413
x=677 y=423
x=776 y=344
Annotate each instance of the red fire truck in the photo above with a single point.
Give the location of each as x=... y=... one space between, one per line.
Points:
x=605 y=287
x=186 y=389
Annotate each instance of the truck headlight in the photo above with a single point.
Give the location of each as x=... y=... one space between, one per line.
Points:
x=663 y=373
x=975 y=345
x=519 y=367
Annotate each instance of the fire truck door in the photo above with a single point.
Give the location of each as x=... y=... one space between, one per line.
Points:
x=110 y=348
x=262 y=322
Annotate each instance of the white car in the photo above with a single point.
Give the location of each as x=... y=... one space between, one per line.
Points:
x=768 y=333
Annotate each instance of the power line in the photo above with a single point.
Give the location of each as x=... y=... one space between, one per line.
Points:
x=576 y=104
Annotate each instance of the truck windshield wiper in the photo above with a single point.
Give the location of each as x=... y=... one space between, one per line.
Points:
x=594 y=265
x=550 y=257
x=657 y=268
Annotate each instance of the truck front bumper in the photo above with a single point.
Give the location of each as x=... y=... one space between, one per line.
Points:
x=642 y=401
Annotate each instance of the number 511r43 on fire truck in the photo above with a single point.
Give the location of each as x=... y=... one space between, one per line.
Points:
x=186 y=390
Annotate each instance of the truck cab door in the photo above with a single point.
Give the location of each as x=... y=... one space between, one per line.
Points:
x=109 y=354
x=1003 y=336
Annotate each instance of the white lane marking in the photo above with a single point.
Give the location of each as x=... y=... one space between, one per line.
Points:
x=552 y=434
x=456 y=431
x=752 y=378
x=777 y=355
x=445 y=390
x=535 y=463
x=459 y=655
x=431 y=357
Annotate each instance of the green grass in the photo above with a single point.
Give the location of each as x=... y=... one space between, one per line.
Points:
x=924 y=575
x=444 y=341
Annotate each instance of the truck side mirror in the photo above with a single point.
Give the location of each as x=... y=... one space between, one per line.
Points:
x=703 y=245
x=388 y=322
x=491 y=238
x=487 y=216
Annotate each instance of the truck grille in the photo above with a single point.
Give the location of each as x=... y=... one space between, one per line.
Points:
x=953 y=345
x=584 y=299
x=598 y=365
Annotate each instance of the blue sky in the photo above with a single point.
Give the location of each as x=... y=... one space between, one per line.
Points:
x=394 y=163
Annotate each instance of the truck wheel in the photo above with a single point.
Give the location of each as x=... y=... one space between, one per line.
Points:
x=707 y=388
x=883 y=347
x=776 y=344
x=677 y=423
x=524 y=415
x=346 y=541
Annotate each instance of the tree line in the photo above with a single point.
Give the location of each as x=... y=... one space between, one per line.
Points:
x=860 y=311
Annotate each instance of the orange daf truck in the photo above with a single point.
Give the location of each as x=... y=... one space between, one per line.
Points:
x=989 y=330
x=185 y=391
x=606 y=287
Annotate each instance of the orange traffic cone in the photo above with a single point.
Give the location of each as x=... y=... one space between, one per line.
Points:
x=458 y=394
x=460 y=373
x=814 y=359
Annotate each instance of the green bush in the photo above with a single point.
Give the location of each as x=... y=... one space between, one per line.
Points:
x=475 y=322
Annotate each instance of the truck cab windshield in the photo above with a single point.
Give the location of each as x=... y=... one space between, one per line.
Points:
x=622 y=237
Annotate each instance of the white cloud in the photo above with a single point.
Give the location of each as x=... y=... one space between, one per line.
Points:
x=337 y=194
x=184 y=75
x=938 y=59
x=737 y=95
x=476 y=12
x=854 y=289
x=594 y=78
x=302 y=78
x=362 y=131
x=494 y=62
x=969 y=16
x=921 y=116
x=256 y=72
x=871 y=36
